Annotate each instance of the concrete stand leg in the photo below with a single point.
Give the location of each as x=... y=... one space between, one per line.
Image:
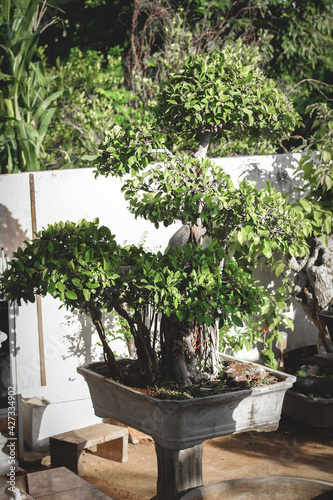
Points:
x=178 y=471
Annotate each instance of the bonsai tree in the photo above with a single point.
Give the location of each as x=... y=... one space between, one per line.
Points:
x=176 y=302
x=313 y=282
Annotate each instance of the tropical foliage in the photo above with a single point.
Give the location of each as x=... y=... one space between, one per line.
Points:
x=115 y=77
x=25 y=99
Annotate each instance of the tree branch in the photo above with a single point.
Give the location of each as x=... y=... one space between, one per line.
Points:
x=204 y=140
x=108 y=353
x=311 y=80
x=161 y=151
x=224 y=235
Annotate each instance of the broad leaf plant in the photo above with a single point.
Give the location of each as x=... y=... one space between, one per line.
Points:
x=25 y=98
x=178 y=301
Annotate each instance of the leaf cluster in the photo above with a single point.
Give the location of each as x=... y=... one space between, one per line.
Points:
x=82 y=265
x=316 y=165
x=69 y=261
x=217 y=93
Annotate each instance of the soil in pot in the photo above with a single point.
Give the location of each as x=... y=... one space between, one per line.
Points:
x=313 y=379
x=234 y=376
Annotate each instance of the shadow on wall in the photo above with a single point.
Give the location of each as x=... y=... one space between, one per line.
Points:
x=282 y=175
x=79 y=340
x=11 y=233
x=82 y=340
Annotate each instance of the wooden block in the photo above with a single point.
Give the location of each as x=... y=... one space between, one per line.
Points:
x=134 y=436
x=113 y=422
x=93 y=449
x=89 y=436
x=115 y=450
x=66 y=448
x=66 y=457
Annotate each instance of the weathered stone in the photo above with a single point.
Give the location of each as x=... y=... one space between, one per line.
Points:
x=179 y=471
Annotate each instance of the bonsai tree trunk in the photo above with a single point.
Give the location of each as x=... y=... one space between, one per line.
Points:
x=178 y=339
x=314 y=286
x=178 y=352
x=130 y=345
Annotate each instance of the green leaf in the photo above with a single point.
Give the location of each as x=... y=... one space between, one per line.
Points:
x=279 y=269
x=237 y=321
x=179 y=315
x=51 y=288
x=265 y=309
x=92 y=285
x=306 y=205
x=88 y=256
x=324 y=239
x=289 y=322
x=267 y=252
x=71 y=295
x=328 y=225
x=76 y=282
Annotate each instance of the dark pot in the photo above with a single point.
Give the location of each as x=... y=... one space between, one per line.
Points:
x=316 y=411
x=321 y=387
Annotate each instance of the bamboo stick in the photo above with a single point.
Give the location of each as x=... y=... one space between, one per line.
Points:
x=38 y=298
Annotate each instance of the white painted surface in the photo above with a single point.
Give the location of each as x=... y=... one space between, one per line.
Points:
x=72 y=195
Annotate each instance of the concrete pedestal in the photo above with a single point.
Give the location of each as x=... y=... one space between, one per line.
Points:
x=179 y=471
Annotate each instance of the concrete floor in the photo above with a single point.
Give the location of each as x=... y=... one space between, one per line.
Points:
x=295 y=449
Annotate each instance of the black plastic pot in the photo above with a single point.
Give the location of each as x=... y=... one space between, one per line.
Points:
x=321 y=387
x=307 y=400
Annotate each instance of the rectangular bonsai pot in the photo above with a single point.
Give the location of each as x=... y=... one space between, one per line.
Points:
x=187 y=423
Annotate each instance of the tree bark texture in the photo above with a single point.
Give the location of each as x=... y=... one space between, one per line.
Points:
x=178 y=354
x=314 y=287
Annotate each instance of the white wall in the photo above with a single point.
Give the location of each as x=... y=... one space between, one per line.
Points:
x=72 y=195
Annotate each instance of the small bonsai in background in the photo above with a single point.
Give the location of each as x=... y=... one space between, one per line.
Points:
x=176 y=302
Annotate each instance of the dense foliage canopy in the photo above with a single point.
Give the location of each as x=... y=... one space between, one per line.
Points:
x=177 y=301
